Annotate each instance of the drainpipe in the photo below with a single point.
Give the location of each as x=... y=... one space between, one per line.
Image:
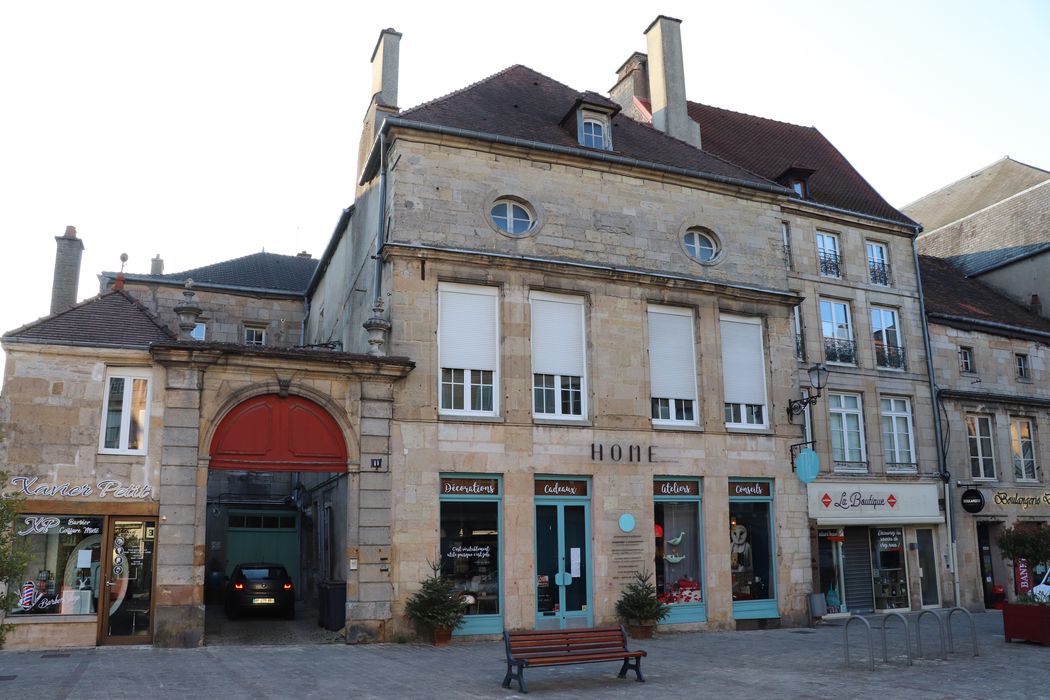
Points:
x=942 y=466
x=377 y=287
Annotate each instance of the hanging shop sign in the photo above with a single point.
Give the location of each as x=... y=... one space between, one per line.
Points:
x=109 y=488
x=676 y=488
x=469 y=487
x=972 y=501
x=757 y=489
x=561 y=487
x=849 y=503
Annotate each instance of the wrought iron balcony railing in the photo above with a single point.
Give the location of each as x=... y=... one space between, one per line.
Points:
x=840 y=350
x=879 y=273
x=889 y=357
x=829 y=263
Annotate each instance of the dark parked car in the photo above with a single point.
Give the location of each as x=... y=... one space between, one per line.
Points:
x=260 y=586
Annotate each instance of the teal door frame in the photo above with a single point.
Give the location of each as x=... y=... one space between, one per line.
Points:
x=689 y=612
x=768 y=608
x=565 y=617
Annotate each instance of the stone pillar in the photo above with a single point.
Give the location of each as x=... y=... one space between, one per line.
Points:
x=179 y=590
x=67 y=271
x=369 y=590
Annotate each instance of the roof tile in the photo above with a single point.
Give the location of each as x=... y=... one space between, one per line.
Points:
x=111 y=319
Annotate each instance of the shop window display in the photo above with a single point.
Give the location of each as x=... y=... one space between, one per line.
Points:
x=65 y=559
x=470 y=553
x=887 y=568
x=829 y=551
x=678 y=552
x=750 y=551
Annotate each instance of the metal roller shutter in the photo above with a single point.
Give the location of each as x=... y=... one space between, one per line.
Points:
x=856 y=551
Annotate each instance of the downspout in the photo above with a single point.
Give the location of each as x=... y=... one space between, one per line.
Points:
x=942 y=466
x=377 y=286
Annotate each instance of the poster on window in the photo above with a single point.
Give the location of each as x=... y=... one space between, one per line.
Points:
x=65 y=558
x=470 y=553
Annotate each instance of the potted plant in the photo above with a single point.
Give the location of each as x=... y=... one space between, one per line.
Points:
x=1027 y=617
x=436 y=606
x=639 y=606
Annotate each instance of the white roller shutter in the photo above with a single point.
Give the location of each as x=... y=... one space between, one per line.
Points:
x=468 y=335
x=672 y=355
x=743 y=361
x=557 y=334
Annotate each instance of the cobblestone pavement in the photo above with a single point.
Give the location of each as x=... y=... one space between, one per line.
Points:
x=788 y=663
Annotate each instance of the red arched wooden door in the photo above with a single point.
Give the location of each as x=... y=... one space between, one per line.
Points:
x=274 y=434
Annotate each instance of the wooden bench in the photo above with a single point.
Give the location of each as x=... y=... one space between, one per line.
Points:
x=569 y=646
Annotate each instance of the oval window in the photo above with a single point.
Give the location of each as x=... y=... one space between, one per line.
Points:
x=700 y=245
x=511 y=217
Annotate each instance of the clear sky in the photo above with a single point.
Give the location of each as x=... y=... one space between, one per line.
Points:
x=204 y=131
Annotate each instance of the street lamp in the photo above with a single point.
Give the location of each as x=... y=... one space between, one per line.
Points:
x=818 y=378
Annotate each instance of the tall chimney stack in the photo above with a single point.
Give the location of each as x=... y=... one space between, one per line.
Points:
x=385 y=67
x=667 y=81
x=67 y=271
x=156 y=266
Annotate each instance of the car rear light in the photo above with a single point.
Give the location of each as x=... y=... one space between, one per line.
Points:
x=287 y=586
x=238 y=586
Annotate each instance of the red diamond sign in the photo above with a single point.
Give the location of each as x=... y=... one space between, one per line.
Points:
x=826 y=500
x=892 y=500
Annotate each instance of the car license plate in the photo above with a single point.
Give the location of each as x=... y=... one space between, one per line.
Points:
x=263 y=601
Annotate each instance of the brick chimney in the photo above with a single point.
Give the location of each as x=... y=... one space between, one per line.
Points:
x=667 y=81
x=67 y=271
x=632 y=82
x=156 y=266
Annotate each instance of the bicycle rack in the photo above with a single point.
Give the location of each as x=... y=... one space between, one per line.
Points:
x=940 y=632
x=871 y=647
x=973 y=629
x=907 y=636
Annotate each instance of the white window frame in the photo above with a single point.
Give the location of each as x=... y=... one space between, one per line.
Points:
x=975 y=444
x=1022 y=366
x=823 y=249
x=585 y=139
x=877 y=254
x=966 y=363
x=836 y=327
x=742 y=416
x=129 y=374
x=892 y=414
x=1021 y=465
x=562 y=382
x=689 y=399
x=262 y=335
x=847 y=464
x=895 y=317
x=470 y=374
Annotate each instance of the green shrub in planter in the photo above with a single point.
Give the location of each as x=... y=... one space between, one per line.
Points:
x=638 y=604
x=436 y=606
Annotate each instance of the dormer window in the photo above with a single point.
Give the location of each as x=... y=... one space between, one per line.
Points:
x=800 y=187
x=797 y=179
x=593 y=135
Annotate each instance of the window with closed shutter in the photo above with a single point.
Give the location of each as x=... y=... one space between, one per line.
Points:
x=743 y=371
x=468 y=348
x=672 y=365
x=558 y=359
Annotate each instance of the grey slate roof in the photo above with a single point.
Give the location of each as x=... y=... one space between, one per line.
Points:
x=112 y=319
x=269 y=272
x=979 y=190
x=972 y=264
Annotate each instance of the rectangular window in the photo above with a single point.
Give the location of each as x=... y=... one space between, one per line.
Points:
x=800 y=335
x=125 y=422
x=982 y=455
x=468 y=349
x=966 y=360
x=751 y=547
x=679 y=577
x=878 y=264
x=1022 y=446
x=558 y=362
x=1024 y=371
x=885 y=333
x=743 y=371
x=836 y=327
x=785 y=231
x=470 y=548
x=828 y=254
x=898 y=446
x=672 y=365
x=254 y=335
x=845 y=412
x=65 y=558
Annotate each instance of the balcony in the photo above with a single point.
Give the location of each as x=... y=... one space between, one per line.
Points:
x=840 y=350
x=829 y=263
x=888 y=357
x=879 y=273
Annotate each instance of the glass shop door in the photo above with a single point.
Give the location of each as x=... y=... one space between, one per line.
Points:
x=128 y=581
x=562 y=565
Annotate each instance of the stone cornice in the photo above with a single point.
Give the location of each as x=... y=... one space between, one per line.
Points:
x=362 y=366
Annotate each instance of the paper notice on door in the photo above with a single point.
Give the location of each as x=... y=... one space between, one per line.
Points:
x=574 y=562
x=84 y=559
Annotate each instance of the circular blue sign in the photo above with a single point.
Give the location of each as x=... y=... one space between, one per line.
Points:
x=626 y=522
x=807 y=466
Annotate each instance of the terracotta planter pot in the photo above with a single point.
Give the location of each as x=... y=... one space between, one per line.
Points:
x=1030 y=623
x=642 y=630
x=440 y=636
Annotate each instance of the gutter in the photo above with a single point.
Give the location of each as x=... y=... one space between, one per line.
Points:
x=329 y=251
x=992 y=324
x=942 y=460
x=984 y=396
x=871 y=217
x=205 y=285
x=794 y=296
x=371 y=165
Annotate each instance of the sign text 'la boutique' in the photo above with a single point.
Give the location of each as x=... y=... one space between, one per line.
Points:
x=108 y=488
